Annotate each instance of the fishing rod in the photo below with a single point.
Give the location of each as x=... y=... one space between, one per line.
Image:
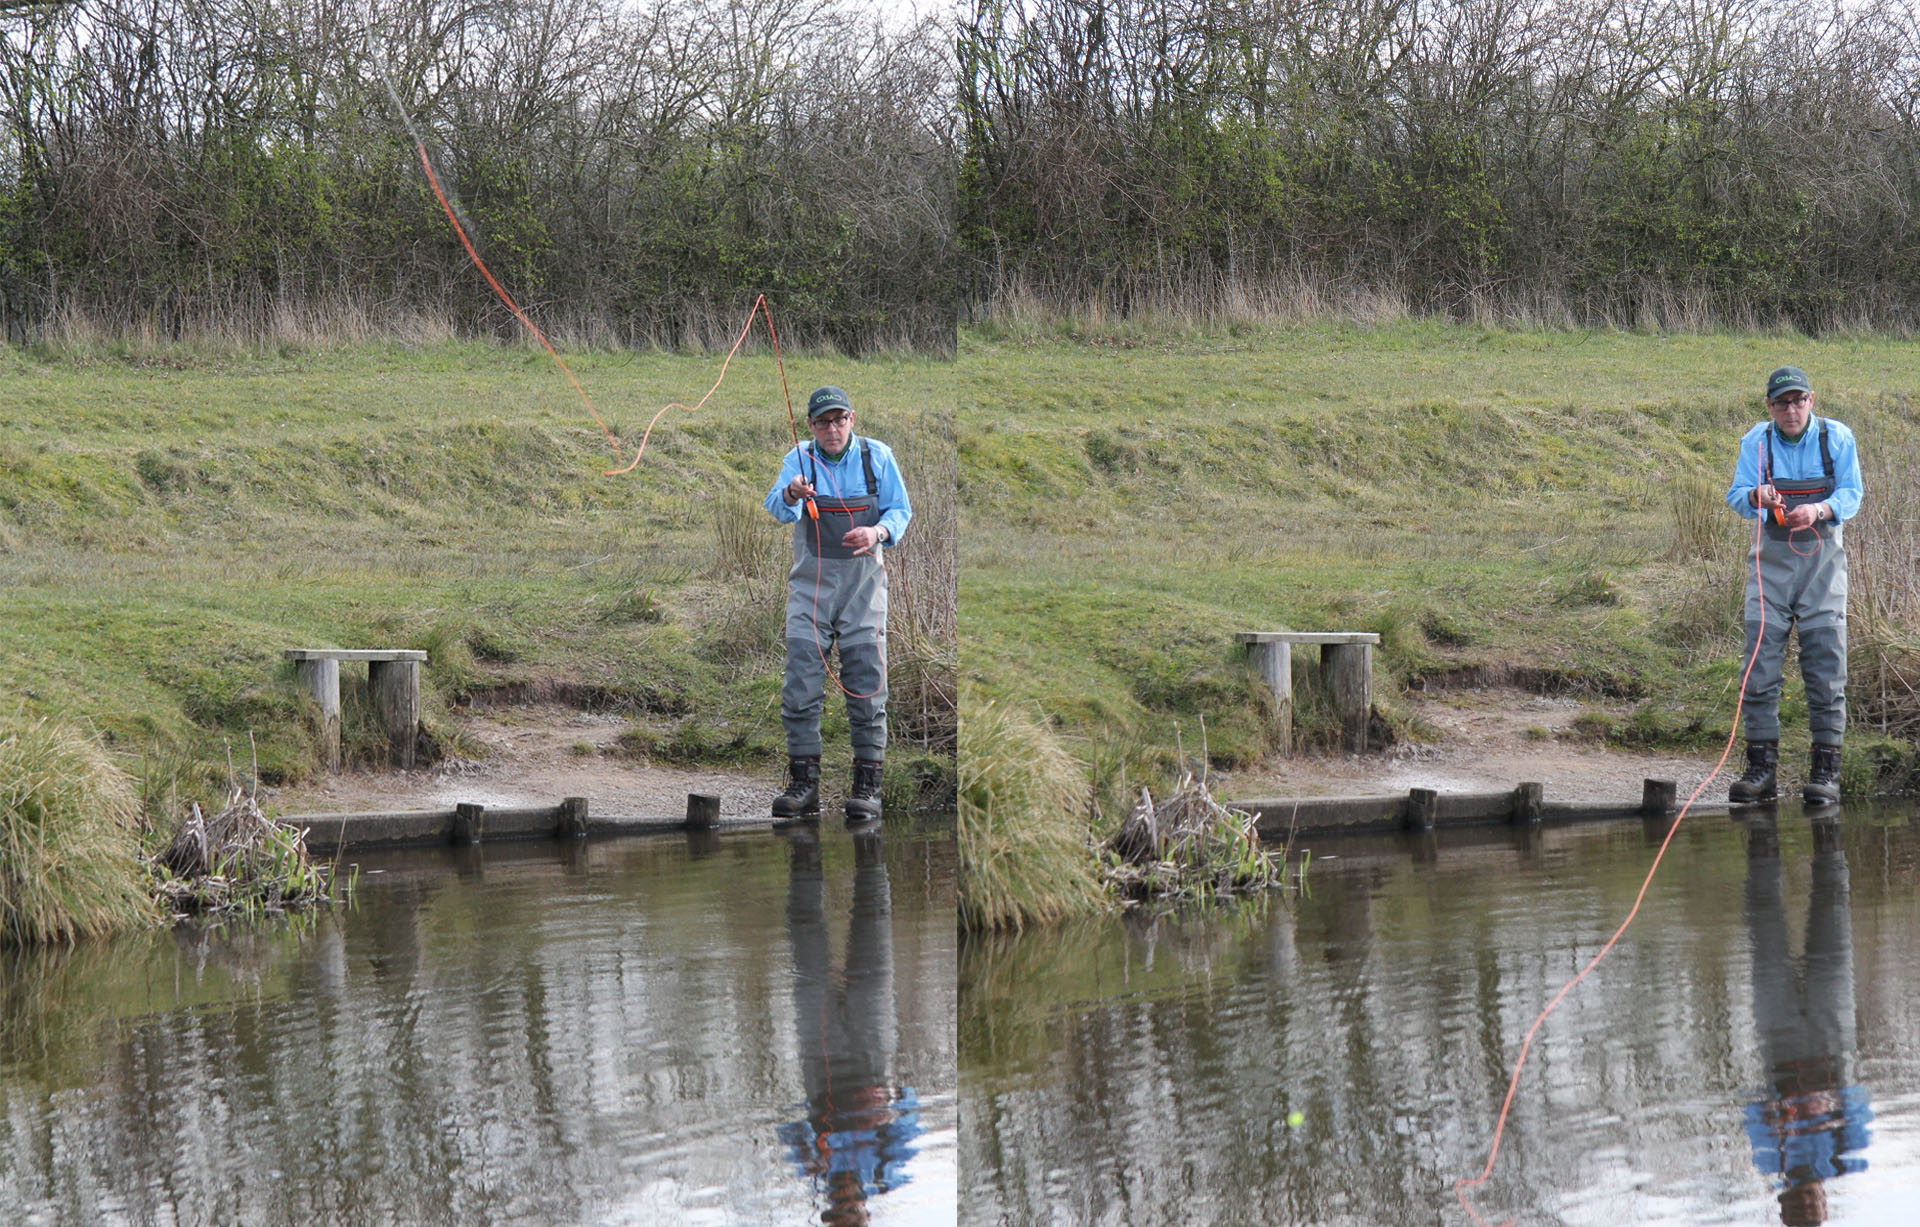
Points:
x=760 y=310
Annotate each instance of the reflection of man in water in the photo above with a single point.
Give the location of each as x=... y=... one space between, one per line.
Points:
x=860 y=1128
x=1813 y=1126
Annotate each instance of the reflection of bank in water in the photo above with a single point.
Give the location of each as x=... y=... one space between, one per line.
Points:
x=1811 y=1126
x=860 y=1127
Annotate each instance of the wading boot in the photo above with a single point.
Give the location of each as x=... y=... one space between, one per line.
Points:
x=1823 y=782
x=802 y=796
x=1763 y=760
x=863 y=803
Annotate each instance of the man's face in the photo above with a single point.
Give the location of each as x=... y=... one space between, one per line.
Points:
x=1791 y=412
x=831 y=430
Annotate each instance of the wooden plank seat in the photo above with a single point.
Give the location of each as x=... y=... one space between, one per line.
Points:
x=1346 y=668
x=393 y=682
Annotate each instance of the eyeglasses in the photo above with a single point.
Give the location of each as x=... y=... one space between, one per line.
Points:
x=829 y=420
x=1789 y=400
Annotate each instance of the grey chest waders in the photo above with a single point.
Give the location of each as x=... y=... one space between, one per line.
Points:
x=1801 y=576
x=836 y=597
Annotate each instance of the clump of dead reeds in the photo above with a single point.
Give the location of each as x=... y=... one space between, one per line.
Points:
x=69 y=837
x=239 y=861
x=1191 y=846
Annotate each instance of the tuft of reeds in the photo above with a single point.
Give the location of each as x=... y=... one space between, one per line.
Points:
x=69 y=837
x=239 y=861
x=1703 y=530
x=1023 y=826
x=746 y=541
x=1191 y=846
x=747 y=625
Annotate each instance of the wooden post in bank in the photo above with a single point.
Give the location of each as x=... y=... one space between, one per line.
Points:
x=393 y=685
x=1346 y=670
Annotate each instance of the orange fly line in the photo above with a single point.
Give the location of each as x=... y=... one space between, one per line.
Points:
x=1461 y=1186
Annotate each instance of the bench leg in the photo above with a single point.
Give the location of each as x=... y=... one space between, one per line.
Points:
x=396 y=697
x=1275 y=663
x=1347 y=670
x=321 y=679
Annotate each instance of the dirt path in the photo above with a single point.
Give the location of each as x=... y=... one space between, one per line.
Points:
x=1492 y=739
x=537 y=753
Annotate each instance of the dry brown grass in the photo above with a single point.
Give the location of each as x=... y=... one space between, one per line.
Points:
x=1883 y=596
x=747 y=544
x=1199 y=296
x=922 y=587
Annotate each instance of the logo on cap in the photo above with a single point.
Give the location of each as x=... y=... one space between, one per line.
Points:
x=1787 y=379
x=825 y=400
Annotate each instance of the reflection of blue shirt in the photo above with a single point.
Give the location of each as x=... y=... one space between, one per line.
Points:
x=877 y=1155
x=1815 y=1146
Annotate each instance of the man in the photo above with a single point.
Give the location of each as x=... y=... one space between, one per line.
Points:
x=846 y=502
x=1801 y=475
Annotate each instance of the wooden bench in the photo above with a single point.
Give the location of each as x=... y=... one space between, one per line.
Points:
x=1346 y=667
x=393 y=682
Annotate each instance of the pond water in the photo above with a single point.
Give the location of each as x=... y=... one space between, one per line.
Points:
x=750 y=1028
x=1748 y=1053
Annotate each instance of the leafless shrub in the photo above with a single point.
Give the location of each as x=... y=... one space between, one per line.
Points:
x=633 y=173
x=1606 y=162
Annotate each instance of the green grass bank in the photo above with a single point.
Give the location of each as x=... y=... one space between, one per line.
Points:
x=1536 y=507
x=170 y=521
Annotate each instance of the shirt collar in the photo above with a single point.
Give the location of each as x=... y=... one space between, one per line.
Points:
x=1813 y=424
x=819 y=453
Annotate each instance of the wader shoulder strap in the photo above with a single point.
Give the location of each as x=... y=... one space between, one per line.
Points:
x=873 y=487
x=866 y=463
x=1826 y=453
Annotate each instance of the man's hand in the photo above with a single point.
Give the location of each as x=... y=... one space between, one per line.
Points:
x=1804 y=516
x=861 y=540
x=1764 y=496
x=798 y=490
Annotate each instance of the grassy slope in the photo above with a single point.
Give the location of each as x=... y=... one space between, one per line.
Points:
x=1481 y=497
x=167 y=529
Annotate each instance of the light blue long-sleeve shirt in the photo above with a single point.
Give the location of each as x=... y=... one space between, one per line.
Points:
x=1799 y=461
x=847 y=478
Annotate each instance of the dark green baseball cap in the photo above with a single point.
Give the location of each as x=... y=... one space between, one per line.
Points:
x=1786 y=379
x=826 y=400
